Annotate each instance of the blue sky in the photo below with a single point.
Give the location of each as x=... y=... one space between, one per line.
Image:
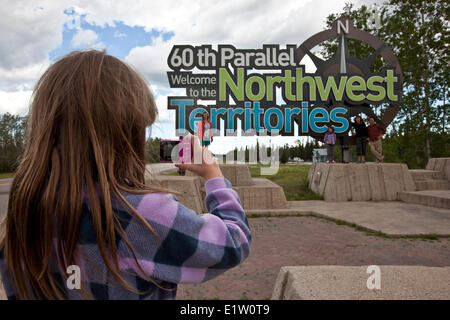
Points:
x=118 y=39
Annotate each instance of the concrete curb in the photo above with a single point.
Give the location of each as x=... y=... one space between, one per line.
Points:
x=353 y=282
x=400 y=220
x=430 y=198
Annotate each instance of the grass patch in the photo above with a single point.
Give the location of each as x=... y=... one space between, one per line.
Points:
x=293 y=179
x=173 y=173
x=244 y=296
x=428 y=236
x=6 y=175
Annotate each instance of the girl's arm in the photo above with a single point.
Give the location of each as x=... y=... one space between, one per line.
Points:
x=194 y=247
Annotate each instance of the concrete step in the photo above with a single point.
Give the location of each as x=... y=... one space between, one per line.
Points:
x=423 y=174
x=355 y=283
x=262 y=194
x=440 y=164
x=432 y=184
x=189 y=188
x=237 y=174
x=431 y=198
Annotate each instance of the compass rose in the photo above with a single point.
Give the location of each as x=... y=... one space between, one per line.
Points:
x=343 y=63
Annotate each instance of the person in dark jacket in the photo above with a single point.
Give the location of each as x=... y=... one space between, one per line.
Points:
x=361 y=138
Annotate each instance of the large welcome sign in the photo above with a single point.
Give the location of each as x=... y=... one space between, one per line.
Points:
x=246 y=84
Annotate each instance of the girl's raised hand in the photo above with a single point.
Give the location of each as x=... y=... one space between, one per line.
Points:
x=204 y=163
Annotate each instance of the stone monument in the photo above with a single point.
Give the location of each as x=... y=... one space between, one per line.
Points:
x=255 y=193
x=360 y=182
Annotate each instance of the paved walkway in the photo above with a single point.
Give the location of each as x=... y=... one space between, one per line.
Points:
x=4 y=194
x=302 y=241
x=389 y=217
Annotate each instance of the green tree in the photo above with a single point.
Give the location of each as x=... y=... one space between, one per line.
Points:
x=418 y=31
x=284 y=154
x=152 y=150
x=12 y=141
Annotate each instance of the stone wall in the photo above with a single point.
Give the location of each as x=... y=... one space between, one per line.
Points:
x=440 y=164
x=237 y=174
x=189 y=190
x=360 y=182
x=262 y=195
x=254 y=193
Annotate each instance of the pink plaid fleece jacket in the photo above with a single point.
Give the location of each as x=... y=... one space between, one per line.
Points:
x=194 y=247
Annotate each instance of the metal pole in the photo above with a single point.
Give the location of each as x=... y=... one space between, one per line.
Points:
x=345 y=149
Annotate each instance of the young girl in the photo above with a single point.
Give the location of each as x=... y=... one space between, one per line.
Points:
x=79 y=200
x=204 y=130
x=330 y=140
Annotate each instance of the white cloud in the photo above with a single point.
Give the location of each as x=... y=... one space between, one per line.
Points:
x=28 y=35
x=165 y=115
x=84 y=38
x=119 y=35
x=151 y=61
x=15 y=102
x=21 y=78
x=246 y=24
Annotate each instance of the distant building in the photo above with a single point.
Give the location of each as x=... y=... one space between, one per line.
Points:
x=319 y=155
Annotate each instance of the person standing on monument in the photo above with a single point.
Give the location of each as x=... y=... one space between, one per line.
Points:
x=361 y=135
x=204 y=130
x=376 y=131
x=330 y=140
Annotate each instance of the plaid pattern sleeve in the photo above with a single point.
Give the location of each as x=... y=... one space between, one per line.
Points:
x=194 y=247
x=5 y=287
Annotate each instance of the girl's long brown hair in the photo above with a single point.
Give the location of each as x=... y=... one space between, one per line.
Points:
x=86 y=130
